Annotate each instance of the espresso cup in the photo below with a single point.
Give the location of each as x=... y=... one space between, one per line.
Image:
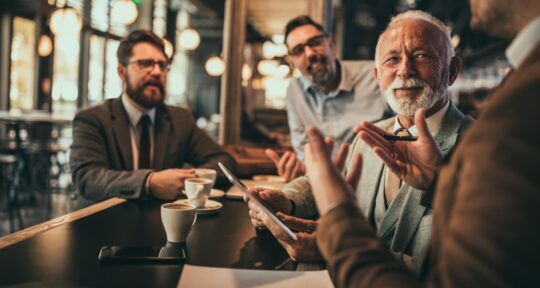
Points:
x=206 y=173
x=198 y=190
x=177 y=219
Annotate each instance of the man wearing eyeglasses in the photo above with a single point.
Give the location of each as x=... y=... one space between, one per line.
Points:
x=135 y=146
x=332 y=95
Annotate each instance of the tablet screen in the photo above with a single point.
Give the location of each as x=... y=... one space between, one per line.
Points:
x=258 y=201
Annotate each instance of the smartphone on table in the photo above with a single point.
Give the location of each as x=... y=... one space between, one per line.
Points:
x=141 y=254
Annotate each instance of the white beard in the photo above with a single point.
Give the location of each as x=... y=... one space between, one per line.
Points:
x=406 y=106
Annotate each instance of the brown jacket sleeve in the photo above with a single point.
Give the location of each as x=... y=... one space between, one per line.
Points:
x=486 y=212
x=356 y=256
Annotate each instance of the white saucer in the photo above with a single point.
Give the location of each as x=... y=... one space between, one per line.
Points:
x=210 y=207
x=214 y=193
x=235 y=194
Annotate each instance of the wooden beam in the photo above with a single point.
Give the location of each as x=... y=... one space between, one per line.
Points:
x=234 y=31
x=39 y=228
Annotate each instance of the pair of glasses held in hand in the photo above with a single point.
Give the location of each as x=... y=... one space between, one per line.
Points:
x=400 y=134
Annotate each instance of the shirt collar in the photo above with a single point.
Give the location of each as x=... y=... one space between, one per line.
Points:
x=433 y=122
x=134 y=114
x=345 y=84
x=524 y=43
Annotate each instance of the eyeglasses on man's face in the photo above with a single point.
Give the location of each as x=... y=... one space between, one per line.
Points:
x=313 y=42
x=146 y=65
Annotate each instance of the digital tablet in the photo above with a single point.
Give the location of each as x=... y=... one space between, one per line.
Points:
x=258 y=201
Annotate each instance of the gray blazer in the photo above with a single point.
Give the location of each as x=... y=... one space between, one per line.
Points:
x=101 y=155
x=406 y=226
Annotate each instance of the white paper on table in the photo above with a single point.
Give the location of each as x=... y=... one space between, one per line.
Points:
x=209 y=277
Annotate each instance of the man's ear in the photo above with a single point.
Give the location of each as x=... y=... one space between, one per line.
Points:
x=455 y=67
x=121 y=69
x=289 y=60
x=376 y=72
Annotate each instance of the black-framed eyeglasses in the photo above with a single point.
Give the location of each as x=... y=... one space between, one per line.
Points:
x=313 y=42
x=148 y=64
x=400 y=134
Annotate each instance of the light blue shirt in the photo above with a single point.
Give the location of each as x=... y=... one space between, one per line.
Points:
x=356 y=99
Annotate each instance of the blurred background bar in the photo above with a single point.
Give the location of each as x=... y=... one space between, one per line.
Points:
x=229 y=67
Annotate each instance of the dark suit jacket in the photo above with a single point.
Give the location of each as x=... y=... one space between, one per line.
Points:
x=486 y=214
x=101 y=155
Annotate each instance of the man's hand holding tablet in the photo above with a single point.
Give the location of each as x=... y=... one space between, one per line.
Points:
x=264 y=209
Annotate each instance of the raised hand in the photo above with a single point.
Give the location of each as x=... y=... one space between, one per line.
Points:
x=417 y=163
x=328 y=186
x=288 y=165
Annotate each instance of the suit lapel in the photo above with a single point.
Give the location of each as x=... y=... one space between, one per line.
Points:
x=120 y=125
x=393 y=213
x=447 y=135
x=370 y=183
x=161 y=131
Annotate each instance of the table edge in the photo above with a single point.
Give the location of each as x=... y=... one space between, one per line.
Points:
x=29 y=232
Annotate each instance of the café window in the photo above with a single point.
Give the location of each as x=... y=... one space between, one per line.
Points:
x=159 y=23
x=23 y=64
x=107 y=28
x=113 y=84
x=96 y=73
x=65 y=72
x=103 y=81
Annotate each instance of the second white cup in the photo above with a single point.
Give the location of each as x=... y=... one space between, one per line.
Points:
x=206 y=173
x=198 y=190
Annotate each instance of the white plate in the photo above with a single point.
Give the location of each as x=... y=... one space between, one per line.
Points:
x=214 y=193
x=210 y=207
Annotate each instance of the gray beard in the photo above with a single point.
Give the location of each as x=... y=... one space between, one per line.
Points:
x=322 y=77
x=407 y=107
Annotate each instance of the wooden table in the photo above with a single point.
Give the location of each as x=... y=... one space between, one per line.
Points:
x=63 y=252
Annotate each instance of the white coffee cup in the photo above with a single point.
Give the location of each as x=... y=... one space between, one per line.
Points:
x=177 y=219
x=198 y=190
x=206 y=173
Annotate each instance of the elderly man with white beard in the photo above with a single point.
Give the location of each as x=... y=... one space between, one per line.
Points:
x=415 y=65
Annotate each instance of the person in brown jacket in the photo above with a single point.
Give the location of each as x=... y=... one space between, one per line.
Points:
x=486 y=214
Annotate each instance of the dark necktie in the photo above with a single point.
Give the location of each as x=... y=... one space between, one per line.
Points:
x=144 y=142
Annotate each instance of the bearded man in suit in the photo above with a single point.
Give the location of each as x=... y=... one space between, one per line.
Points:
x=135 y=146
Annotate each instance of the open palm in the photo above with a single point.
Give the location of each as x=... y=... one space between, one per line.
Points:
x=416 y=163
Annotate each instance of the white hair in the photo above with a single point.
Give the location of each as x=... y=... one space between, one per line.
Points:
x=422 y=16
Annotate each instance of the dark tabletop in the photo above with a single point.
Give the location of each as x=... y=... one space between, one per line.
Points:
x=66 y=256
